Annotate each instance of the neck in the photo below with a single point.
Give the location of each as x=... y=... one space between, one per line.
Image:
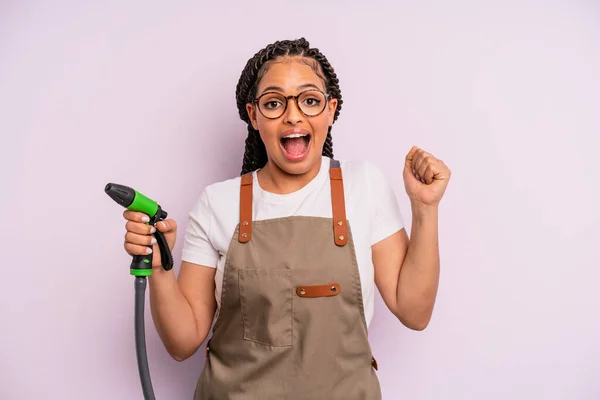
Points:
x=273 y=179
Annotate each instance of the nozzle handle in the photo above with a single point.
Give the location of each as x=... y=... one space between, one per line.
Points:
x=141 y=265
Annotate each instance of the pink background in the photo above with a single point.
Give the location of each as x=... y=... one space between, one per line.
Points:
x=142 y=93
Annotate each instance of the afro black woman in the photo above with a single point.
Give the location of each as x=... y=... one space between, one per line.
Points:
x=282 y=261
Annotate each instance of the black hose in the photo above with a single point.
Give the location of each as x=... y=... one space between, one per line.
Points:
x=140 y=337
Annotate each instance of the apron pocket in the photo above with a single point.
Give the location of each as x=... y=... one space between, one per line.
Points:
x=266 y=305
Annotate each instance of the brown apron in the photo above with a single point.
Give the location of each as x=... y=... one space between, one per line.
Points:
x=291 y=323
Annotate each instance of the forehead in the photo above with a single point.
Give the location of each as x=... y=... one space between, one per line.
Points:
x=290 y=73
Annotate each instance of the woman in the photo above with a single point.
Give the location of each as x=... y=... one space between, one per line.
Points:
x=286 y=256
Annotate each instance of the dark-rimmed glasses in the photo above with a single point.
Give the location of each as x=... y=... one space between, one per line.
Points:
x=273 y=105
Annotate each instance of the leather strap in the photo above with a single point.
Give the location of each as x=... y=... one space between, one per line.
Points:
x=245 y=208
x=331 y=289
x=338 y=204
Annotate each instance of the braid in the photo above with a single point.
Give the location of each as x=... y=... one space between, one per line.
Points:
x=328 y=146
x=255 y=154
x=255 y=151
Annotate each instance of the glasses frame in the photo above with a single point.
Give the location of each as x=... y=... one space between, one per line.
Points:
x=287 y=101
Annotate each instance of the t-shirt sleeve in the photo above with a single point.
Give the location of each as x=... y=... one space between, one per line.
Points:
x=386 y=218
x=197 y=246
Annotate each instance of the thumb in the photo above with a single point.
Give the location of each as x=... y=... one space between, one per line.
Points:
x=166 y=226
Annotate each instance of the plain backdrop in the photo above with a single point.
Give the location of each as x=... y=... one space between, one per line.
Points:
x=142 y=93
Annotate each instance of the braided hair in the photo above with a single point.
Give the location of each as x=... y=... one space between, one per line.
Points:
x=255 y=154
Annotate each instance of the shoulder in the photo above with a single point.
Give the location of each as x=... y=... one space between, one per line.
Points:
x=217 y=199
x=363 y=172
x=223 y=189
x=367 y=181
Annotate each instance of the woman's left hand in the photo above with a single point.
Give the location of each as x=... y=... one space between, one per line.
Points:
x=425 y=177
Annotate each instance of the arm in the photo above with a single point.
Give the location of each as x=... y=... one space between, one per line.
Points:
x=183 y=308
x=407 y=271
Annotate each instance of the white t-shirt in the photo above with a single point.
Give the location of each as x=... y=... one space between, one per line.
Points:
x=371 y=209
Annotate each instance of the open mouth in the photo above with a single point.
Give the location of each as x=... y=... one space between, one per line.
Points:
x=296 y=145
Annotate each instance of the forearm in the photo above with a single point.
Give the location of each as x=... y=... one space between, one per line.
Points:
x=172 y=315
x=419 y=273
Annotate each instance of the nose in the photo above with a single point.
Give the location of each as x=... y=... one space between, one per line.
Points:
x=292 y=115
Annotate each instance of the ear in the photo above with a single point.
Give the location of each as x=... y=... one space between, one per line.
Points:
x=332 y=105
x=251 y=110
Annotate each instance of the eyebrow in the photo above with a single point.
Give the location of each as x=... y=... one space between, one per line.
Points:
x=280 y=89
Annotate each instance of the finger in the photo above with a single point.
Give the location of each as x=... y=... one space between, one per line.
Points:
x=429 y=173
x=139 y=228
x=142 y=240
x=408 y=163
x=418 y=164
x=445 y=172
x=135 y=216
x=411 y=158
x=168 y=225
x=418 y=161
x=136 y=249
x=440 y=171
x=424 y=163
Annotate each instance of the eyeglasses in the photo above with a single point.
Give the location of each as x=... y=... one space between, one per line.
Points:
x=273 y=105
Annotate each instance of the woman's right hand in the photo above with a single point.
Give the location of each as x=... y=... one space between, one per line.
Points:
x=139 y=239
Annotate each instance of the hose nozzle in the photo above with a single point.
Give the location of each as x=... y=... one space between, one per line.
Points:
x=135 y=201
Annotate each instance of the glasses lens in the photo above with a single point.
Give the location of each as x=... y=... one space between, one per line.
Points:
x=271 y=105
x=312 y=102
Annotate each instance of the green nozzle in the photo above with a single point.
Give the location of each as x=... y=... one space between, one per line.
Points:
x=131 y=199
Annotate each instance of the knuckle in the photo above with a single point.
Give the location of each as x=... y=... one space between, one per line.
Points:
x=128 y=247
x=129 y=237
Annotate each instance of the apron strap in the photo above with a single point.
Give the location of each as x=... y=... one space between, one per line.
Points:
x=245 y=208
x=338 y=204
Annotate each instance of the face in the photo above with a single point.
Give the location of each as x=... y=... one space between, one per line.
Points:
x=294 y=141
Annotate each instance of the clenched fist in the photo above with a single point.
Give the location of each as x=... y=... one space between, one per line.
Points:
x=139 y=239
x=425 y=177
